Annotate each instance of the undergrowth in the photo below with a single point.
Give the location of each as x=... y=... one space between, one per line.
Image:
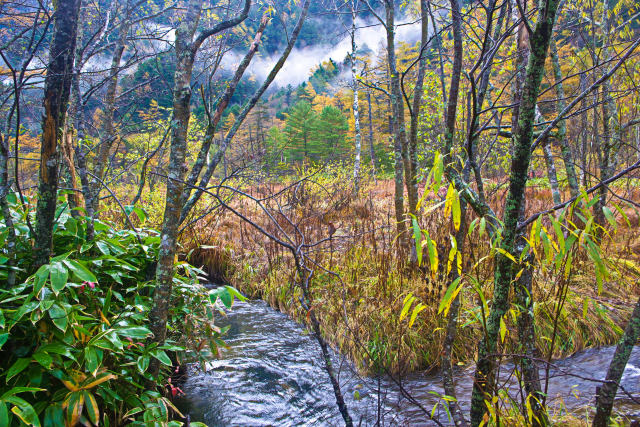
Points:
x=74 y=344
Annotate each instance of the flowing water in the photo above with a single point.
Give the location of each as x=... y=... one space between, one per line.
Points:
x=272 y=375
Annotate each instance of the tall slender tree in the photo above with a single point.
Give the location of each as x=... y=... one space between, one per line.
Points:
x=397 y=121
x=411 y=156
x=539 y=41
x=186 y=47
x=356 y=106
x=610 y=126
x=565 y=149
x=450 y=122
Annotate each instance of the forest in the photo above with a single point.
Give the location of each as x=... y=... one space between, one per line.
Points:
x=327 y=212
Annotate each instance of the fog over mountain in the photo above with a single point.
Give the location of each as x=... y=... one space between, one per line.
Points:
x=369 y=34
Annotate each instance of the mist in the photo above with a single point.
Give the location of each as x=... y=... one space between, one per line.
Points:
x=301 y=62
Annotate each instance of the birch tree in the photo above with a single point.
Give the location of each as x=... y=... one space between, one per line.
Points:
x=356 y=109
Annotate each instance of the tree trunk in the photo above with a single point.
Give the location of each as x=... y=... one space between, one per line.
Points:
x=452 y=319
x=372 y=151
x=450 y=123
x=606 y=393
x=186 y=48
x=356 y=110
x=485 y=369
x=584 y=134
x=56 y=96
x=109 y=133
x=399 y=131
x=73 y=198
x=454 y=88
x=565 y=149
x=610 y=137
x=526 y=334
x=5 y=189
x=610 y=128
x=73 y=115
x=452 y=324
x=177 y=169
x=478 y=96
x=551 y=173
x=438 y=44
x=452 y=173
x=411 y=173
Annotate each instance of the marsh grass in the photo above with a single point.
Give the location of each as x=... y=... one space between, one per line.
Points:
x=361 y=280
x=359 y=302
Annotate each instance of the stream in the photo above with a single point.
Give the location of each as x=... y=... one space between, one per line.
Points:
x=272 y=374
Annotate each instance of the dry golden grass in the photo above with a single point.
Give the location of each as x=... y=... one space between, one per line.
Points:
x=359 y=303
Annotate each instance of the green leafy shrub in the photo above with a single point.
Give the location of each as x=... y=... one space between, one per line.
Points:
x=74 y=344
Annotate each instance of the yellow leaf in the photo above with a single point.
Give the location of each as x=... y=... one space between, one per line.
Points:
x=70 y=385
x=98 y=381
x=92 y=407
x=75 y=411
x=433 y=256
x=507 y=254
x=448 y=201
x=408 y=301
x=455 y=210
x=453 y=296
x=452 y=256
x=415 y=313
x=518 y=274
x=104 y=319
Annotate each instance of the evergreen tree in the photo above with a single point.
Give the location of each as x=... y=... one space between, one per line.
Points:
x=275 y=145
x=330 y=134
x=312 y=136
x=322 y=75
x=299 y=127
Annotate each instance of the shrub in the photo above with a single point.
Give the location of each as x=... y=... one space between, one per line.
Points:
x=74 y=344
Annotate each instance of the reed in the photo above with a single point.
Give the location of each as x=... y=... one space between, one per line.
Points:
x=360 y=300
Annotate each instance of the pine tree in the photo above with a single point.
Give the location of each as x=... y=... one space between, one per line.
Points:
x=275 y=144
x=298 y=129
x=329 y=137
